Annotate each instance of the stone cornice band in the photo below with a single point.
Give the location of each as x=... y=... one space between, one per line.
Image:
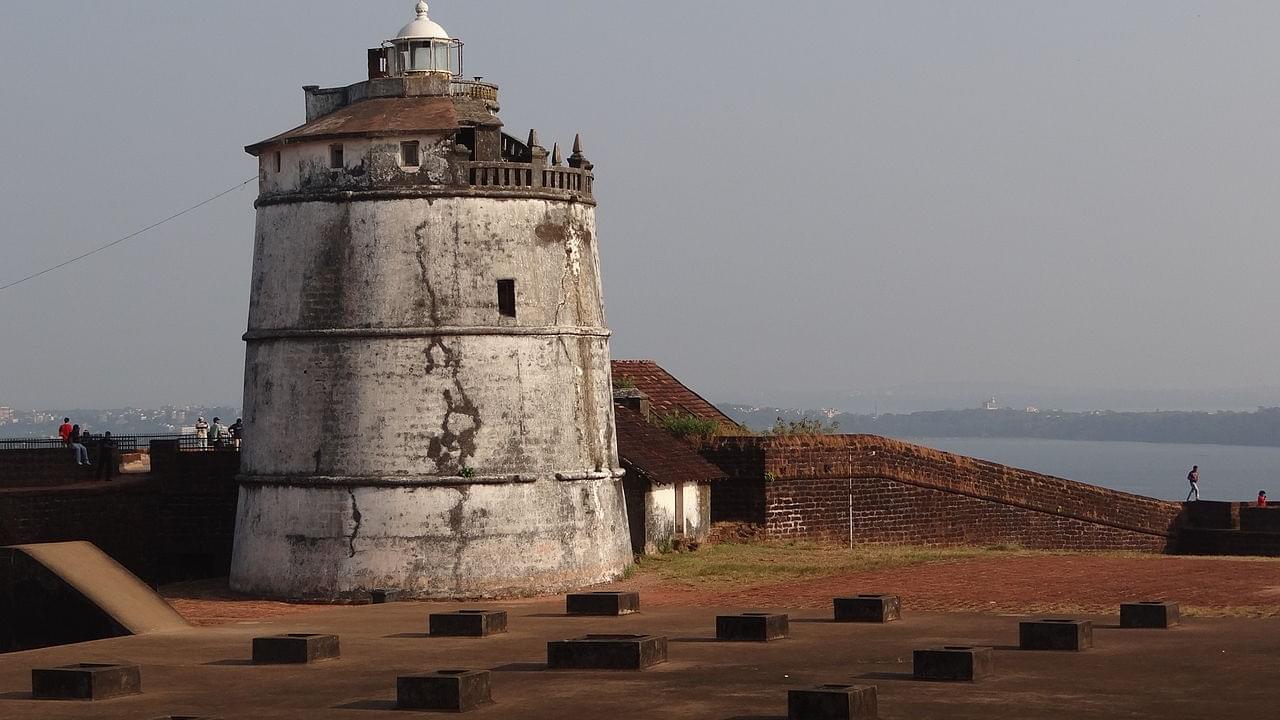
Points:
x=346 y=196
x=311 y=481
x=343 y=333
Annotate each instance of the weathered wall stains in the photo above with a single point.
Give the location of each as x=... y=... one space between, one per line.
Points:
x=481 y=541
x=378 y=366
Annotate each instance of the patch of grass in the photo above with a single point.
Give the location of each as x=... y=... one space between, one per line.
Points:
x=749 y=565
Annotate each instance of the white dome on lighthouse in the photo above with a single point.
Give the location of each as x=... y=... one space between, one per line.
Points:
x=423 y=27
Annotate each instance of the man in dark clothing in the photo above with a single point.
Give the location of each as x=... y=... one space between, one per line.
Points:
x=106 y=459
x=236 y=431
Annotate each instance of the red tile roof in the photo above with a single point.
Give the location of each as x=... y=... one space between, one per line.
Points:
x=667 y=395
x=374 y=118
x=657 y=456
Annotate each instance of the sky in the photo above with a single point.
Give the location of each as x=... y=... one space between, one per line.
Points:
x=797 y=199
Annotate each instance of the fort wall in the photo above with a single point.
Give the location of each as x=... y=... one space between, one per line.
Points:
x=866 y=489
x=175 y=524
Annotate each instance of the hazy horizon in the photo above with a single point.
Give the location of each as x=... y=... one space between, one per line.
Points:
x=898 y=195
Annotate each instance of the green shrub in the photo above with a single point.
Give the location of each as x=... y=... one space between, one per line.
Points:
x=805 y=426
x=683 y=425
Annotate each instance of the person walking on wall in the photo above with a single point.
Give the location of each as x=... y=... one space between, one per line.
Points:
x=77 y=444
x=106 y=459
x=64 y=431
x=1193 y=477
x=202 y=433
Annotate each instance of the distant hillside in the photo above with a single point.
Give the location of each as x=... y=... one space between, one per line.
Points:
x=1258 y=428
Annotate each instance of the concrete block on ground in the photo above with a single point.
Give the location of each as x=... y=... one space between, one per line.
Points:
x=1149 y=614
x=468 y=623
x=833 y=702
x=752 y=627
x=868 y=608
x=444 y=691
x=86 y=681
x=954 y=663
x=607 y=652
x=294 y=649
x=602 y=603
x=1071 y=635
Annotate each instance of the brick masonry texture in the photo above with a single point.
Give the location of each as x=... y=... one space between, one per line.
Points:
x=803 y=487
x=177 y=523
x=42 y=468
x=118 y=517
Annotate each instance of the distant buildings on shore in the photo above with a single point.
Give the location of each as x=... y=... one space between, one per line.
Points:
x=172 y=419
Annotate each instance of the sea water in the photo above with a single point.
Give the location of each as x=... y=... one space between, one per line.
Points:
x=1227 y=472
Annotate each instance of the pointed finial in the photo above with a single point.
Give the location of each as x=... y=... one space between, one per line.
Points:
x=422 y=10
x=533 y=139
x=556 y=158
x=577 y=159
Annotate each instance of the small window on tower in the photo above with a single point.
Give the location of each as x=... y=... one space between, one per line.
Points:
x=278 y=161
x=336 y=160
x=409 y=156
x=507 y=298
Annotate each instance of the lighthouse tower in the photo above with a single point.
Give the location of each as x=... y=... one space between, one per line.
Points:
x=427 y=391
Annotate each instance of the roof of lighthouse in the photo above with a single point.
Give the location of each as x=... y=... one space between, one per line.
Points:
x=423 y=27
x=379 y=117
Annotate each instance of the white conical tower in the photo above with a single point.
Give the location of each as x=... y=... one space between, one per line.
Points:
x=427 y=390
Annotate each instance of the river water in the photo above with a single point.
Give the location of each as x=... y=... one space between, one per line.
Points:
x=1227 y=472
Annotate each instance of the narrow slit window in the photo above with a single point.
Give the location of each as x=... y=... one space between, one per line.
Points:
x=409 y=155
x=279 y=162
x=507 y=298
x=336 y=159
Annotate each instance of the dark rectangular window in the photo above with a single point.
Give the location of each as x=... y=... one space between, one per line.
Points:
x=507 y=298
x=409 y=154
x=336 y=161
x=279 y=162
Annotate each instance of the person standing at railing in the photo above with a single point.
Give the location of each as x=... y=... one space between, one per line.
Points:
x=77 y=444
x=64 y=431
x=236 y=431
x=106 y=459
x=217 y=433
x=202 y=433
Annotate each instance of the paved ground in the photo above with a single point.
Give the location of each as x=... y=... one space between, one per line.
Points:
x=1209 y=668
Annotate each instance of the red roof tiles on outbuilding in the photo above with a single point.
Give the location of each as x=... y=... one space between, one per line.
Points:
x=657 y=456
x=667 y=395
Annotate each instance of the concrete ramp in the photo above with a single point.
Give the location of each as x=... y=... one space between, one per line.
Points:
x=63 y=593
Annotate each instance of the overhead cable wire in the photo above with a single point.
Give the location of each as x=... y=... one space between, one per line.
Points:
x=128 y=237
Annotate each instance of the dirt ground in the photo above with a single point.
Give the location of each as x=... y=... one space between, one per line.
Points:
x=211 y=602
x=1012 y=583
x=1084 y=584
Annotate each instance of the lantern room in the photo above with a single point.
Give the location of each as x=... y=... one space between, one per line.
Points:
x=423 y=47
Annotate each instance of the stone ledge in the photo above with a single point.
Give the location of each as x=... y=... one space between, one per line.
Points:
x=266 y=334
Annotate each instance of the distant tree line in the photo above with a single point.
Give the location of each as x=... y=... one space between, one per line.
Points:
x=1259 y=428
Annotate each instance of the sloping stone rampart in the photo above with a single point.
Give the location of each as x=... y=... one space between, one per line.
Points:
x=868 y=489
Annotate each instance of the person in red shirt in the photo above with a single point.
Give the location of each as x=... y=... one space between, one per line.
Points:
x=64 y=432
x=1262 y=498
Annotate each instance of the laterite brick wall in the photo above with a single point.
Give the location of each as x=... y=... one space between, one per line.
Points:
x=178 y=523
x=885 y=491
